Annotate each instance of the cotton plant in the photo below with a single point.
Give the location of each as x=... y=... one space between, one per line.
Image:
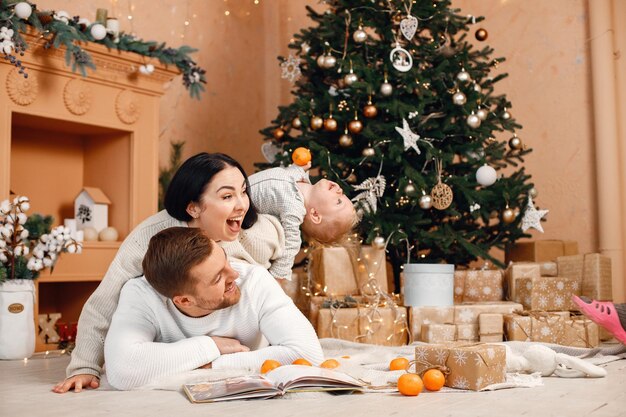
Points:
x=22 y=255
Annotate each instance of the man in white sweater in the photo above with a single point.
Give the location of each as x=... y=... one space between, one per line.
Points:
x=193 y=310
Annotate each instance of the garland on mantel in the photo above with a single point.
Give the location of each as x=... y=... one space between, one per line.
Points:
x=59 y=30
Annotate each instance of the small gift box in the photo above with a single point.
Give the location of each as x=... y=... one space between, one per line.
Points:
x=348 y=270
x=490 y=327
x=467 y=332
x=546 y=293
x=428 y=315
x=317 y=302
x=580 y=333
x=473 y=366
x=552 y=327
x=540 y=250
x=518 y=270
x=478 y=285
x=438 y=333
x=365 y=324
x=592 y=271
x=468 y=313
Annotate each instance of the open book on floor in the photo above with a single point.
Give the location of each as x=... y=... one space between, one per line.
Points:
x=288 y=378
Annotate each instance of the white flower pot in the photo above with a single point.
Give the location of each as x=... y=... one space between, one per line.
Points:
x=17 y=324
x=428 y=285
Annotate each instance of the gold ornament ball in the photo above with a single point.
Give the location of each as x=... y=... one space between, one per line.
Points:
x=330 y=124
x=367 y=152
x=482 y=114
x=481 y=34
x=533 y=192
x=321 y=61
x=463 y=76
x=370 y=111
x=386 y=89
x=426 y=201
x=473 y=121
x=459 y=98
x=515 y=143
x=506 y=115
x=378 y=242
x=350 y=78
x=359 y=36
x=345 y=140
x=329 y=61
x=317 y=122
x=296 y=123
x=508 y=215
x=355 y=126
x=278 y=133
x=351 y=178
x=410 y=190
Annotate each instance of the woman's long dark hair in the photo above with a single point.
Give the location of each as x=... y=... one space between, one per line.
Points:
x=191 y=179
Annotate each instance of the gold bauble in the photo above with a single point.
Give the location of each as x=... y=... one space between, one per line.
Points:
x=367 y=152
x=317 y=122
x=370 y=111
x=355 y=126
x=278 y=133
x=330 y=124
x=345 y=140
x=296 y=123
x=508 y=215
x=351 y=179
x=481 y=34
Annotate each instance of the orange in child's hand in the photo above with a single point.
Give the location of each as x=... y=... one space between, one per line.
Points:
x=410 y=384
x=398 y=364
x=268 y=365
x=329 y=364
x=301 y=361
x=434 y=379
x=301 y=156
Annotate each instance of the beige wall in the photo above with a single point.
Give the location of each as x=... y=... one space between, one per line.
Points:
x=546 y=44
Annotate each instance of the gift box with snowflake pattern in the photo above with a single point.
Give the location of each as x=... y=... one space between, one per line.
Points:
x=438 y=333
x=536 y=326
x=478 y=285
x=428 y=315
x=467 y=332
x=546 y=293
x=470 y=366
x=467 y=313
x=519 y=270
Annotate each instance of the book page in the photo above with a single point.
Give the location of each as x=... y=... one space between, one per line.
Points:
x=292 y=377
x=254 y=386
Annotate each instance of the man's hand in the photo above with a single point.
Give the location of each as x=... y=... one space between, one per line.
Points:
x=77 y=382
x=227 y=345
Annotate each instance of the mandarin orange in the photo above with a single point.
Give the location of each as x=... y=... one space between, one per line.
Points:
x=398 y=364
x=301 y=361
x=268 y=365
x=434 y=379
x=301 y=156
x=410 y=385
x=329 y=364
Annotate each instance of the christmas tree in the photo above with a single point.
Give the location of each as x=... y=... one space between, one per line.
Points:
x=396 y=103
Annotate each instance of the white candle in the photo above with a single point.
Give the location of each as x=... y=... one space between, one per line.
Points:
x=113 y=25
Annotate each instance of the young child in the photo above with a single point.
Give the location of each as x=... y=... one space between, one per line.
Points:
x=325 y=214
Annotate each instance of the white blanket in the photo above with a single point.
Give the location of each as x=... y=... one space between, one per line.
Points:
x=370 y=363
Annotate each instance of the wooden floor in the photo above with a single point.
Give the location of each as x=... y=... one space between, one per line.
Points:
x=25 y=391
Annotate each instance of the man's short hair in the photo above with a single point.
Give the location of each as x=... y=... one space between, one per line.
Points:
x=171 y=255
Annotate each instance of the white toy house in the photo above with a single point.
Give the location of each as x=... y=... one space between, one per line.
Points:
x=91 y=209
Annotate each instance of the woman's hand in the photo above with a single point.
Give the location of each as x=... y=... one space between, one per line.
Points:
x=77 y=382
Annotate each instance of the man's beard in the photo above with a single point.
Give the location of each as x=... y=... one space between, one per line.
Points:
x=227 y=301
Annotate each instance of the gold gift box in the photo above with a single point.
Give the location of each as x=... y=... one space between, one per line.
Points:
x=471 y=366
x=348 y=270
x=478 y=285
x=519 y=270
x=540 y=250
x=592 y=271
x=368 y=324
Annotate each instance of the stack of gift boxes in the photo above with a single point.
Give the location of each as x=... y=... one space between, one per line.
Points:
x=347 y=296
x=530 y=301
